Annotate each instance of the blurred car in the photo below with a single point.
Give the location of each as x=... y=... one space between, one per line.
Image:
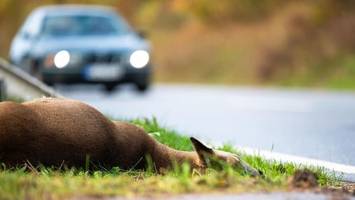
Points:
x=77 y=43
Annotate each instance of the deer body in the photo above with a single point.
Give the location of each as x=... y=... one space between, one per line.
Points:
x=54 y=132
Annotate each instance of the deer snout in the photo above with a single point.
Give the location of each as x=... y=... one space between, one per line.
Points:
x=235 y=161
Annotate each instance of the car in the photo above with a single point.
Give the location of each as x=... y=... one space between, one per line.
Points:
x=82 y=44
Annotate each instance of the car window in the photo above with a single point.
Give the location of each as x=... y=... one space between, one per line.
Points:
x=31 y=27
x=81 y=25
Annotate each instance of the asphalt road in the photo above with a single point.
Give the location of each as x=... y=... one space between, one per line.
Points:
x=312 y=124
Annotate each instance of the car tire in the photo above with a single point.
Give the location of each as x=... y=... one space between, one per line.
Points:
x=109 y=87
x=34 y=70
x=143 y=84
x=142 y=87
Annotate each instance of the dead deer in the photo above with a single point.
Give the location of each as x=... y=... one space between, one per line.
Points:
x=51 y=131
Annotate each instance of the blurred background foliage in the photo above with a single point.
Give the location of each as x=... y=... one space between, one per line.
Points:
x=257 y=42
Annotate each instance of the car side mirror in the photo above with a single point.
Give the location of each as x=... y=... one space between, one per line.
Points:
x=143 y=34
x=28 y=36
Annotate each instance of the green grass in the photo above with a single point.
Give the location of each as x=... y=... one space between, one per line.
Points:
x=14 y=99
x=275 y=172
x=46 y=183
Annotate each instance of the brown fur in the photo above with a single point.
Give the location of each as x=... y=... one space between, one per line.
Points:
x=51 y=131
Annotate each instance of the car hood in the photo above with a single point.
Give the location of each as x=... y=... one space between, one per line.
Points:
x=90 y=43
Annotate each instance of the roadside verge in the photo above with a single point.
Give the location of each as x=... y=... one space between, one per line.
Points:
x=345 y=172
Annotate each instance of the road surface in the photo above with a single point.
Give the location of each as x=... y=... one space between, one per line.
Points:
x=312 y=124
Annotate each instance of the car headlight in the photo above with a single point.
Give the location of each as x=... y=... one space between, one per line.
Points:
x=61 y=59
x=139 y=59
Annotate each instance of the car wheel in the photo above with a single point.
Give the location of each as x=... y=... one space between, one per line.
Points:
x=142 y=88
x=34 y=70
x=143 y=83
x=109 y=87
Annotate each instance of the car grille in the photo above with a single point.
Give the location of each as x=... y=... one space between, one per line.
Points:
x=103 y=58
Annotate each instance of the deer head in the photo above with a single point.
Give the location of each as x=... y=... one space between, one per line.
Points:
x=210 y=158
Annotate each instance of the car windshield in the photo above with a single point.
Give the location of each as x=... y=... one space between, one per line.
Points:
x=81 y=25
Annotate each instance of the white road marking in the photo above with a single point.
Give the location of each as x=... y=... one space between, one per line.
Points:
x=346 y=171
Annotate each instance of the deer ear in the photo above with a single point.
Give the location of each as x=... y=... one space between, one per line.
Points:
x=202 y=150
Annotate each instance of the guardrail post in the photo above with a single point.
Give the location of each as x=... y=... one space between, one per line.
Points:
x=2 y=90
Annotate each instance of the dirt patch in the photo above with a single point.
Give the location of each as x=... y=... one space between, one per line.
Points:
x=247 y=196
x=345 y=189
x=350 y=187
x=304 y=179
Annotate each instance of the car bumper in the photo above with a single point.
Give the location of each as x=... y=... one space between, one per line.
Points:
x=79 y=75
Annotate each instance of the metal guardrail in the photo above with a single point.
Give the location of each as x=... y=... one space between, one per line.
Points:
x=18 y=83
